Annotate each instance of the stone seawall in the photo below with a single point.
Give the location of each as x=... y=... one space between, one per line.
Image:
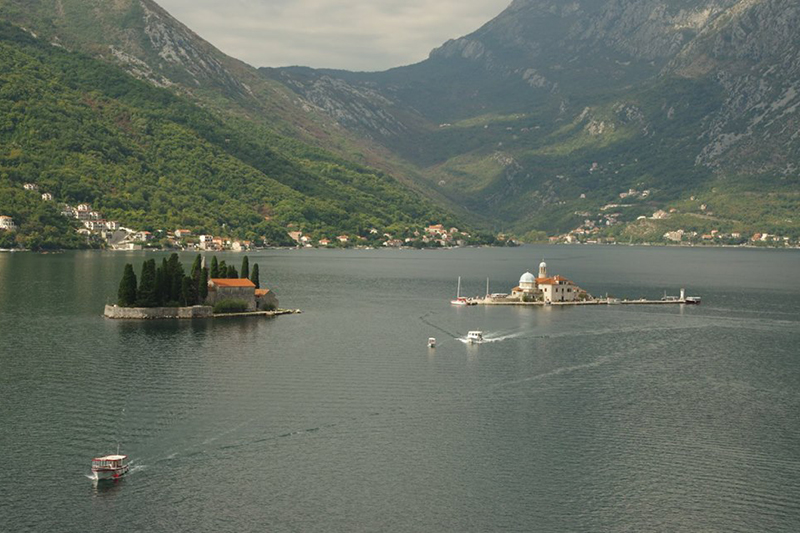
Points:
x=146 y=313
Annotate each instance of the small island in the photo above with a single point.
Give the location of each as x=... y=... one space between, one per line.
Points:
x=558 y=290
x=166 y=291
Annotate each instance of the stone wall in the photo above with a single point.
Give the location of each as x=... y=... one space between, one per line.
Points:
x=144 y=313
x=246 y=294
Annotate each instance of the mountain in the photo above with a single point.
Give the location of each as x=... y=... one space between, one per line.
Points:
x=554 y=110
x=178 y=147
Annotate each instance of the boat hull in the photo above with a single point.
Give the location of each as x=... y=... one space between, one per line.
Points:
x=110 y=473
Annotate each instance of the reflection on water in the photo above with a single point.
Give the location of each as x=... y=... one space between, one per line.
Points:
x=341 y=419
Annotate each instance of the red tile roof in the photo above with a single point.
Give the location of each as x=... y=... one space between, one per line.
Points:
x=227 y=282
x=262 y=292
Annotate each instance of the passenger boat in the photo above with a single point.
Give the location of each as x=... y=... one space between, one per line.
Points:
x=110 y=466
x=432 y=342
x=459 y=300
x=474 y=337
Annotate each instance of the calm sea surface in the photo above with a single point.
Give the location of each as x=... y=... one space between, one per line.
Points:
x=612 y=418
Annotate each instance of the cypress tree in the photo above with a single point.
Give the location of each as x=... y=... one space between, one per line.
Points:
x=232 y=274
x=214 y=267
x=223 y=270
x=126 y=296
x=146 y=296
x=162 y=282
x=187 y=291
x=254 y=276
x=196 y=266
x=202 y=288
x=177 y=275
x=245 y=273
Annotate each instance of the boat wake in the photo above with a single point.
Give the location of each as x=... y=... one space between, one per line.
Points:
x=489 y=338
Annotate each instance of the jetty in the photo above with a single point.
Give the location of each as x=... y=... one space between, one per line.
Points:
x=598 y=301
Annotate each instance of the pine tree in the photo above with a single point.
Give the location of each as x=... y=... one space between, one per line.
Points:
x=223 y=270
x=254 y=276
x=146 y=296
x=232 y=274
x=126 y=296
x=202 y=288
x=245 y=272
x=214 y=267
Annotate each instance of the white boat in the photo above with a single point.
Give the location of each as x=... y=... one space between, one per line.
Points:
x=432 y=342
x=474 y=337
x=110 y=466
x=693 y=300
x=459 y=300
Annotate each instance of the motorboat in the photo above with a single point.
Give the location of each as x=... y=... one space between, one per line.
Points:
x=110 y=466
x=693 y=300
x=474 y=337
x=432 y=342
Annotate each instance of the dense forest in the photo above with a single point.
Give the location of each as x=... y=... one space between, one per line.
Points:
x=85 y=131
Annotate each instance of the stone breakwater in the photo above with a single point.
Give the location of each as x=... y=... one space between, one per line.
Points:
x=197 y=311
x=146 y=313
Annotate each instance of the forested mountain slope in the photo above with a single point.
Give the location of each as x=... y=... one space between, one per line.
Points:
x=86 y=131
x=553 y=109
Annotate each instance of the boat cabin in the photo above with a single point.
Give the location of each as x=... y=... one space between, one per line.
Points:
x=475 y=336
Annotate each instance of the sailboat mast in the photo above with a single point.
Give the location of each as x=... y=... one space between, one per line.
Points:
x=458 y=290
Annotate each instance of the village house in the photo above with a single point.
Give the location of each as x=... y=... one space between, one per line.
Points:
x=296 y=236
x=182 y=233
x=7 y=223
x=436 y=229
x=343 y=238
x=324 y=242
x=47 y=197
x=30 y=187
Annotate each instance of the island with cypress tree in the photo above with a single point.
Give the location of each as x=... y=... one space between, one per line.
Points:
x=167 y=291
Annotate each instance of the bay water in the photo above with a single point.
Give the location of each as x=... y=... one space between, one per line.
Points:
x=596 y=418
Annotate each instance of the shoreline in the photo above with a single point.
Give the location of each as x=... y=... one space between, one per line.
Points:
x=115 y=312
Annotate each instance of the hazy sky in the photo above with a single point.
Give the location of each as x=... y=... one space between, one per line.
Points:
x=348 y=34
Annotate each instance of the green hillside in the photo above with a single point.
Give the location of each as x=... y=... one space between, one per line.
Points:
x=552 y=110
x=86 y=131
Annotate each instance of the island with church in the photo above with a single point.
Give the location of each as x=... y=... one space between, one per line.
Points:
x=558 y=290
x=218 y=290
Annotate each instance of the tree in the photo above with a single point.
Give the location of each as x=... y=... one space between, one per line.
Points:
x=126 y=296
x=254 y=276
x=187 y=291
x=202 y=287
x=162 y=282
x=222 y=271
x=175 y=276
x=214 y=267
x=232 y=274
x=245 y=272
x=196 y=266
x=146 y=296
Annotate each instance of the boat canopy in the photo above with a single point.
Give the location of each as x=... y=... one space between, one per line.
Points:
x=110 y=458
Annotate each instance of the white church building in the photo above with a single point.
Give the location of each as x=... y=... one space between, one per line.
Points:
x=545 y=288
